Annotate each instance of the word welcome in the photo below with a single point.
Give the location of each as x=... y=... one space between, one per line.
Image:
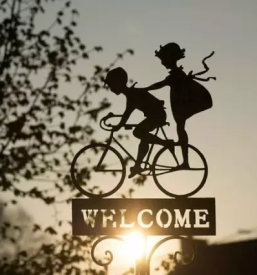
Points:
x=150 y=216
x=109 y=217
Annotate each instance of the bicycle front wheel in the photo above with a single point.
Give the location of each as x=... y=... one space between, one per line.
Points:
x=183 y=182
x=98 y=170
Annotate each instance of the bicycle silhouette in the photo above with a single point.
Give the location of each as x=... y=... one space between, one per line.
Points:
x=153 y=168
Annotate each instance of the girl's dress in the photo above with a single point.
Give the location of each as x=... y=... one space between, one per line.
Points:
x=187 y=96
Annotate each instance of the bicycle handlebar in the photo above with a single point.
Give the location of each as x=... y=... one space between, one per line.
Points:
x=109 y=127
x=103 y=122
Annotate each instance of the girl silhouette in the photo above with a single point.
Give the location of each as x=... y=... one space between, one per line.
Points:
x=187 y=96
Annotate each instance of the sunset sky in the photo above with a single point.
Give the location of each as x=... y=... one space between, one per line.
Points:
x=226 y=134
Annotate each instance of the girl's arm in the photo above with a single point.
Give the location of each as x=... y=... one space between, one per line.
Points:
x=156 y=86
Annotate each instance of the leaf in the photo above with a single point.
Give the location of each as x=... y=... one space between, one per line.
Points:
x=82 y=47
x=36 y=228
x=50 y=230
x=17 y=192
x=23 y=254
x=98 y=69
x=130 y=51
x=131 y=191
x=75 y=12
x=61 y=114
x=49 y=200
x=81 y=78
x=3 y=2
x=67 y=78
x=75 y=129
x=140 y=180
x=85 y=56
x=56 y=162
x=98 y=48
x=75 y=52
x=89 y=130
x=12 y=240
x=44 y=32
x=28 y=174
x=7 y=224
x=48 y=249
x=17 y=228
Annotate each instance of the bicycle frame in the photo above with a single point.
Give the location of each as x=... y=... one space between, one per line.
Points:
x=151 y=167
x=149 y=153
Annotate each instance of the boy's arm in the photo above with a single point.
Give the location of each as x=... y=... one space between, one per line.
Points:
x=125 y=117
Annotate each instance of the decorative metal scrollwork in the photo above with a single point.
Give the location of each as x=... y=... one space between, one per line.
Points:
x=108 y=253
x=184 y=260
x=177 y=253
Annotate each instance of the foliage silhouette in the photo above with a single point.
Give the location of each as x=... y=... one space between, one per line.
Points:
x=40 y=126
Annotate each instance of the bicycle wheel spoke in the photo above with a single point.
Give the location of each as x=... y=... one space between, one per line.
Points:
x=176 y=181
x=163 y=173
x=196 y=169
x=165 y=169
x=164 y=166
x=107 y=169
x=175 y=157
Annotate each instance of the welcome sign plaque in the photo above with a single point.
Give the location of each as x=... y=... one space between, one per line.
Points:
x=149 y=216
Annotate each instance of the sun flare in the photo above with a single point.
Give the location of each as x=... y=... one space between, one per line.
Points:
x=135 y=246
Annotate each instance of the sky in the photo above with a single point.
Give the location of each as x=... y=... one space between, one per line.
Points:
x=226 y=134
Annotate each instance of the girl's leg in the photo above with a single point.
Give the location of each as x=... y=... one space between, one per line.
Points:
x=183 y=140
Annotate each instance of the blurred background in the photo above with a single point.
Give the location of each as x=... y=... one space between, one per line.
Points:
x=54 y=57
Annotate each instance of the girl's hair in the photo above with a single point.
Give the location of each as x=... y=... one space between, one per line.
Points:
x=118 y=75
x=170 y=50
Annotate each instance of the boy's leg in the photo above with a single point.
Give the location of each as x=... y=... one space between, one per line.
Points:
x=142 y=131
x=143 y=148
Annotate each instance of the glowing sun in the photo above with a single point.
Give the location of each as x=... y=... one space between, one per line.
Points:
x=135 y=246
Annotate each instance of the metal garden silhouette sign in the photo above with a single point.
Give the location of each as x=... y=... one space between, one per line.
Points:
x=179 y=214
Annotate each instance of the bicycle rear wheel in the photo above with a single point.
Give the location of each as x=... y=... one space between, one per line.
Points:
x=166 y=172
x=98 y=170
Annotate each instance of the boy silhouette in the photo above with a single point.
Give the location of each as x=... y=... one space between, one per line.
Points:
x=142 y=100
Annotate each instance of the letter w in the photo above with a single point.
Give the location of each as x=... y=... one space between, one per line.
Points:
x=89 y=218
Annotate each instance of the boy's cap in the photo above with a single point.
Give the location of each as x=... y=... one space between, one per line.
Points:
x=117 y=74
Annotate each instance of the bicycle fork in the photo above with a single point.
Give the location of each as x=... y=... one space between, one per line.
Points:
x=98 y=166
